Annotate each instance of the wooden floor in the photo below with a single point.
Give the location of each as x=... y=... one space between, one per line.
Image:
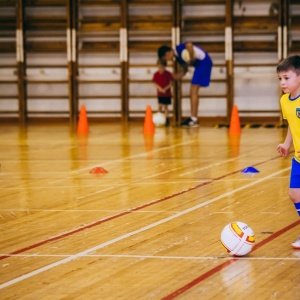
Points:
x=150 y=227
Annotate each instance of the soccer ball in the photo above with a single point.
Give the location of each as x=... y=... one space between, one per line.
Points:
x=185 y=55
x=237 y=238
x=159 y=119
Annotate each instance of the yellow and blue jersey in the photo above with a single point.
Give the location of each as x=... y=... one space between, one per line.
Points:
x=291 y=112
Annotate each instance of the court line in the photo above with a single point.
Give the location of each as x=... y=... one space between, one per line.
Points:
x=75 y=210
x=126 y=212
x=150 y=226
x=109 y=218
x=218 y=268
x=143 y=154
x=160 y=173
x=162 y=257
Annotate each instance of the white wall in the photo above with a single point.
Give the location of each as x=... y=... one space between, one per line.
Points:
x=255 y=88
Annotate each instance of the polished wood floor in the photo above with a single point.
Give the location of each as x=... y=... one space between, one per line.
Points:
x=149 y=228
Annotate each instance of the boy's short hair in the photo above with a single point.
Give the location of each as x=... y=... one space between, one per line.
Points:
x=290 y=63
x=161 y=52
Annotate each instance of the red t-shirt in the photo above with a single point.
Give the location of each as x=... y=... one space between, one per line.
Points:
x=163 y=79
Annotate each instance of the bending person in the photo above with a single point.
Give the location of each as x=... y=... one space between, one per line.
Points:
x=188 y=54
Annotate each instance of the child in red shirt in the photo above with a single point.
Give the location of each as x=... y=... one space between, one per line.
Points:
x=163 y=81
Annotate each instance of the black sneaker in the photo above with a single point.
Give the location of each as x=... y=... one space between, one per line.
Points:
x=189 y=123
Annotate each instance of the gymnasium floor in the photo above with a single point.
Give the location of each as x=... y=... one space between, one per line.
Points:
x=149 y=228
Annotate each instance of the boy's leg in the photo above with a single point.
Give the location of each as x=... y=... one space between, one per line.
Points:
x=295 y=197
x=166 y=112
x=294 y=192
x=160 y=108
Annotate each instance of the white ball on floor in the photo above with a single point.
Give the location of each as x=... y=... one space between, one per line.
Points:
x=159 y=119
x=237 y=238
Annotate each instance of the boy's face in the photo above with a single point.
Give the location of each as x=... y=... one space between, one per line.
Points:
x=161 y=67
x=289 y=82
x=169 y=55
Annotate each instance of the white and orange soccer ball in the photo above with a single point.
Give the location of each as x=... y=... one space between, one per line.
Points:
x=237 y=238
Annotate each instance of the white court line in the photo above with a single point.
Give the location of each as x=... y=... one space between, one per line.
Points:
x=222 y=212
x=160 y=257
x=158 y=174
x=130 y=157
x=129 y=234
x=212 y=165
x=105 y=163
x=82 y=210
x=117 y=185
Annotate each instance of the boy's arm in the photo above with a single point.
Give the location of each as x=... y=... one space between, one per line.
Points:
x=170 y=80
x=168 y=86
x=158 y=87
x=288 y=139
x=283 y=149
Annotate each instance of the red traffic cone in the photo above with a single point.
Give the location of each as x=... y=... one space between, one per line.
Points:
x=98 y=170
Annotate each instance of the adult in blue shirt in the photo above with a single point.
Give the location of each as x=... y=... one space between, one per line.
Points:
x=188 y=54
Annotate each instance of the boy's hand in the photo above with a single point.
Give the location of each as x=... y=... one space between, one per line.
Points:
x=282 y=150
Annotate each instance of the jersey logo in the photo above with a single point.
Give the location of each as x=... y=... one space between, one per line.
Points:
x=298 y=112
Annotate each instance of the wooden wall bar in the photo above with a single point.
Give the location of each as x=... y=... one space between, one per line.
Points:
x=103 y=53
x=21 y=62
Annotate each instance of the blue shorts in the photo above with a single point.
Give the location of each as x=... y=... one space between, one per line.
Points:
x=295 y=175
x=202 y=72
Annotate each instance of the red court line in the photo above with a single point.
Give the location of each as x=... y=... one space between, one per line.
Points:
x=58 y=237
x=227 y=263
x=69 y=233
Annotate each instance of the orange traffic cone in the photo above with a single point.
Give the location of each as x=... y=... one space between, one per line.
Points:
x=148 y=123
x=83 y=126
x=234 y=141
x=148 y=138
x=82 y=146
x=235 y=126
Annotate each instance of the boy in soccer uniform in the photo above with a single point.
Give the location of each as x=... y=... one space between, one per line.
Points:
x=289 y=76
x=188 y=54
x=163 y=81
